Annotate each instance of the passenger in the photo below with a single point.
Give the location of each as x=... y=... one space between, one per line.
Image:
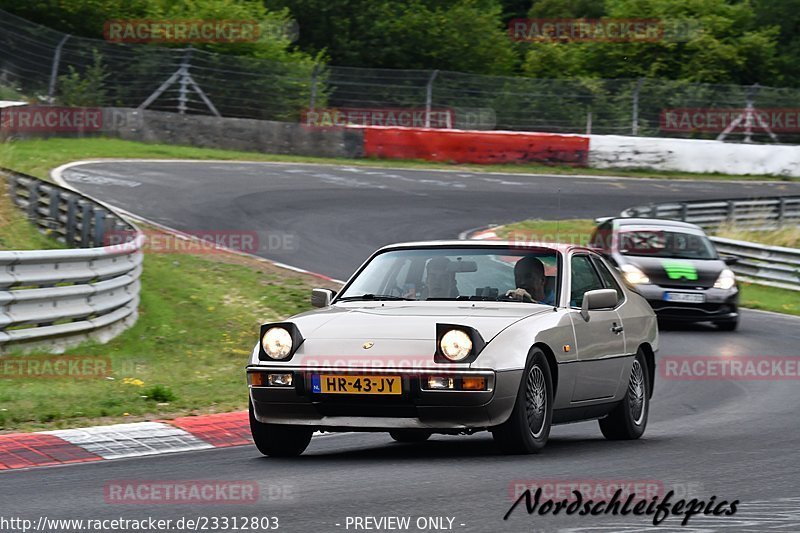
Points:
x=440 y=279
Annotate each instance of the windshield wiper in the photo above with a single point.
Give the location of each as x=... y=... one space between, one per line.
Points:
x=370 y=296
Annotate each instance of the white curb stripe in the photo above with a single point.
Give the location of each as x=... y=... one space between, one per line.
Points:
x=131 y=440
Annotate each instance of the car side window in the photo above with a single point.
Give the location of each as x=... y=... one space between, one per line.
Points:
x=608 y=278
x=583 y=278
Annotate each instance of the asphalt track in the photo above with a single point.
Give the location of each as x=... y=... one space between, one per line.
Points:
x=732 y=439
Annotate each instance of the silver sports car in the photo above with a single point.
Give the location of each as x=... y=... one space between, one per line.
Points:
x=456 y=337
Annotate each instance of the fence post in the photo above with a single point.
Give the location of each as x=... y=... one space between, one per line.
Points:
x=183 y=92
x=51 y=89
x=635 y=111
x=429 y=98
x=589 y=122
x=748 y=121
x=314 y=73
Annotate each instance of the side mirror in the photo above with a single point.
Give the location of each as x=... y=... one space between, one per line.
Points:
x=598 y=299
x=322 y=297
x=730 y=259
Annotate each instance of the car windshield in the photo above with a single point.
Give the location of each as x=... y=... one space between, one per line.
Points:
x=663 y=243
x=495 y=274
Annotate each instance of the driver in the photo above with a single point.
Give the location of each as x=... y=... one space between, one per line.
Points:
x=530 y=281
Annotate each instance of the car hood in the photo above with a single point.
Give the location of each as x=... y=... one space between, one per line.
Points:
x=668 y=272
x=410 y=320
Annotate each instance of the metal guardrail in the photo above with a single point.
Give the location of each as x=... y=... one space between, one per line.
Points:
x=59 y=298
x=756 y=213
x=774 y=266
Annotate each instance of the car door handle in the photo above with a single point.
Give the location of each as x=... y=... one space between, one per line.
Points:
x=616 y=329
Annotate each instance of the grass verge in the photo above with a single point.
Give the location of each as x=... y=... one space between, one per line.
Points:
x=578 y=231
x=38 y=156
x=788 y=237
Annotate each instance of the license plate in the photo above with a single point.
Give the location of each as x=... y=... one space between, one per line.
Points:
x=349 y=384
x=684 y=297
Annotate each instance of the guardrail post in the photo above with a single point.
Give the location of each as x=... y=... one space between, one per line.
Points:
x=33 y=200
x=86 y=224
x=99 y=227
x=731 y=214
x=684 y=211
x=69 y=234
x=781 y=212
x=54 y=205
x=12 y=188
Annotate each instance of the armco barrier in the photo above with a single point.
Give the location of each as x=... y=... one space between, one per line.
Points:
x=755 y=213
x=775 y=266
x=59 y=298
x=482 y=147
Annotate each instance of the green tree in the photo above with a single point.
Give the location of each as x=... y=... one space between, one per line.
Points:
x=84 y=88
x=785 y=15
x=724 y=44
x=461 y=35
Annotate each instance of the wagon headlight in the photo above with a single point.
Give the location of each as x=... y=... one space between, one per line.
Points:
x=726 y=280
x=277 y=342
x=455 y=345
x=633 y=275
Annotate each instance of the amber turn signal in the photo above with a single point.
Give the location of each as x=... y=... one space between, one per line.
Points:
x=473 y=383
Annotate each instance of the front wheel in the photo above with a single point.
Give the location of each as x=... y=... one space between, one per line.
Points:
x=628 y=420
x=277 y=440
x=528 y=427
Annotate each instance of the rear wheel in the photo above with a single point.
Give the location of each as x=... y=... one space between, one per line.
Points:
x=528 y=427
x=277 y=440
x=628 y=420
x=410 y=435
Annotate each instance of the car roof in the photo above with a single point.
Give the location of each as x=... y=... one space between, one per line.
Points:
x=640 y=221
x=478 y=243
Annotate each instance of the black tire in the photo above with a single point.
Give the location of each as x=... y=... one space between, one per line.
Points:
x=278 y=440
x=528 y=427
x=628 y=420
x=410 y=435
x=728 y=325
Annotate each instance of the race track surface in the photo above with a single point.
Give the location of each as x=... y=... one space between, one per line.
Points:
x=733 y=439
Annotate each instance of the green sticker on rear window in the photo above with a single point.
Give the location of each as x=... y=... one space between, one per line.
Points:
x=680 y=269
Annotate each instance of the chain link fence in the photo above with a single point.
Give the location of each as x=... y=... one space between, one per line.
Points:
x=49 y=65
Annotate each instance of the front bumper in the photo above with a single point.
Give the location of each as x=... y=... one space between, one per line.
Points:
x=719 y=304
x=415 y=408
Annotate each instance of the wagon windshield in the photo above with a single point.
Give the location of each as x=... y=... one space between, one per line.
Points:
x=494 y=274
x=661 y=243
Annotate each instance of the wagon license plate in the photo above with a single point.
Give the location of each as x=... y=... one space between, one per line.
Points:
x=350 y=384
x=684 y=297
